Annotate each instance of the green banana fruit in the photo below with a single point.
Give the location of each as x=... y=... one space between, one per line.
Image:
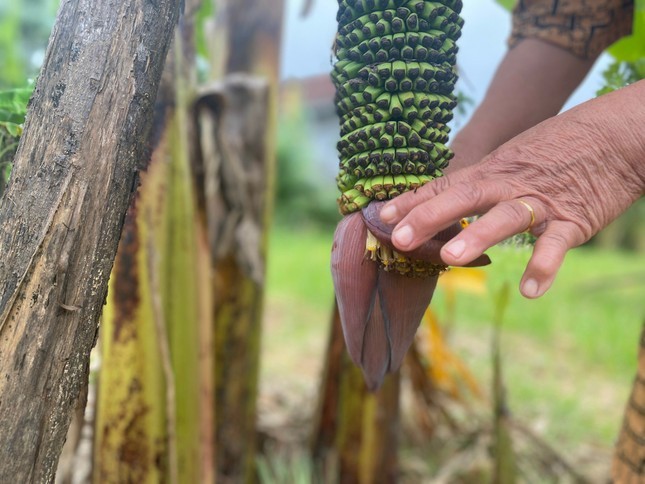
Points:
x=394 y=76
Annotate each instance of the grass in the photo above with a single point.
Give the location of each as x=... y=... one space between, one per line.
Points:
x=298 y=308
x=299 y=266
x=569 y=357
x=595 y=308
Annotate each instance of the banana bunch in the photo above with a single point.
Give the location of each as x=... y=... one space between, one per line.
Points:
x=394 y=78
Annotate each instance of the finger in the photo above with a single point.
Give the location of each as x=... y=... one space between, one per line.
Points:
x=428 y=251
x=504 y=220
x=458 y=201
x=443 y=238
x=396 y=209
x=548 y=255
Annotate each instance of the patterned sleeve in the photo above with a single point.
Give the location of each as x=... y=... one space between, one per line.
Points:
x=583 y=27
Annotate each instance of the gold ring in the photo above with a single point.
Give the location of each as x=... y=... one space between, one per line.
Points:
x=532 y=212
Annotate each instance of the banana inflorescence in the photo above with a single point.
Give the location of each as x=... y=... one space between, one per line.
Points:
x=394 y=77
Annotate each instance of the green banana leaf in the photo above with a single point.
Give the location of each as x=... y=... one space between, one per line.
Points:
x=13 y=108
x=14 y=101
x=632 y=48
x=507 y=4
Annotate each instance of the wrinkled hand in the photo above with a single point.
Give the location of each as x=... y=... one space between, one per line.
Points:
x=578 y=171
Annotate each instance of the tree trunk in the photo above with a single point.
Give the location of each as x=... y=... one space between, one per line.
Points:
x=356 y=432
x=232 y=117
x=326 y=419
x=239 y=172
x=247 y=38
x=629 y=456
x=62 y=214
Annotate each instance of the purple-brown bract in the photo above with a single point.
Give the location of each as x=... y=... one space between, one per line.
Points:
x=380 y=309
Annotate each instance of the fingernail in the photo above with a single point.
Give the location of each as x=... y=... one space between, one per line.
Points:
x=403 y=236
x=456 y=248
x=530 y=288
x=388 y=214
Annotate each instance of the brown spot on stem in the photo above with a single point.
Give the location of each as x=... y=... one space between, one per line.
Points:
x=126 y=271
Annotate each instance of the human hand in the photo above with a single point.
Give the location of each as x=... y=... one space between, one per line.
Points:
x=577 y=172
x=429 y=251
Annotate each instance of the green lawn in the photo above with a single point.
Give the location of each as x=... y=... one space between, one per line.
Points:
x=569 y=357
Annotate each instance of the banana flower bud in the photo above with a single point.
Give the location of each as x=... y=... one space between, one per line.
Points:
x=381 y=301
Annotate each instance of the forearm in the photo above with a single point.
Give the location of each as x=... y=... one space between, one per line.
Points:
x=614 y=123
x=531 y=84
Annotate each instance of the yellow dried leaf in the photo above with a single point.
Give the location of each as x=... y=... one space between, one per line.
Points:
x=446 y=370
x=465 y=279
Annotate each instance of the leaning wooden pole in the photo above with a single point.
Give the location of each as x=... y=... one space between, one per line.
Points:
x=62 y=214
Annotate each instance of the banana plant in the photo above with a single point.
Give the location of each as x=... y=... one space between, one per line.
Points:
x=155 y=398
x=394 y=76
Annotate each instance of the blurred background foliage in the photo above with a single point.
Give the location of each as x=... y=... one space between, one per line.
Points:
x=24 y=29
x=301 y=200
x=13 y=108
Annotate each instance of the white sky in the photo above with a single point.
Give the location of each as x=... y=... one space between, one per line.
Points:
x=307 y=46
